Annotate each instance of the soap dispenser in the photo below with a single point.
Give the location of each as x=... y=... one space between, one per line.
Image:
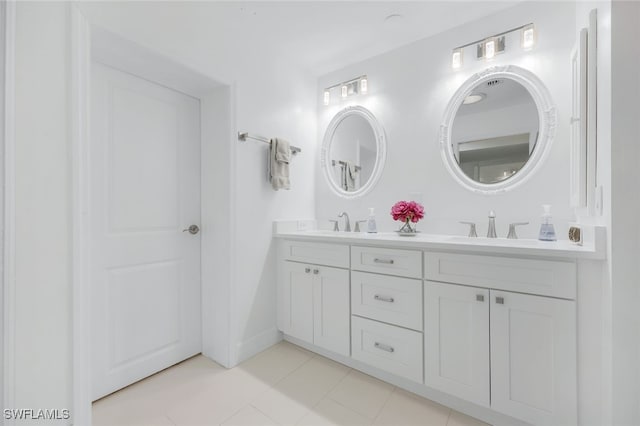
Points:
x=371 y=222
x=547 y=231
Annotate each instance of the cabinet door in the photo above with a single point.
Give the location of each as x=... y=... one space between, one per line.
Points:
x=295 y=300
x=533 y=358
x=331 y=309
x=456 y=341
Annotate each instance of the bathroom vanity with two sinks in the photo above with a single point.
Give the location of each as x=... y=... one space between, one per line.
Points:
x=485 y=326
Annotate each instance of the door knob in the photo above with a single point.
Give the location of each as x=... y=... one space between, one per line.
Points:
x=193 y=229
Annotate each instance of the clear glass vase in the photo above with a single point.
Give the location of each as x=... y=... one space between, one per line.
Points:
x=408 y=228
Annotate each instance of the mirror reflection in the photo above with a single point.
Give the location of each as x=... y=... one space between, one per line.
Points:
x=495 y=130
x=352 y=153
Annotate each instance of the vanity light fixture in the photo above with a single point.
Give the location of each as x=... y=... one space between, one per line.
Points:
x=489 y=47
x=355 y=86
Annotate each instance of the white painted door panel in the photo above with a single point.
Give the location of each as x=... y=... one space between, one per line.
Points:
x=533 y=358
x=144 y=190
x=295 y=298
x=456 y=340
x=331 y=315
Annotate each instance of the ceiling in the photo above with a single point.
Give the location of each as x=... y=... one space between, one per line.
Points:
x=319 y=36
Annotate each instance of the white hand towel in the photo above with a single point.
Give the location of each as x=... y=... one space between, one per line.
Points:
x=351 y=176
x=279 y=155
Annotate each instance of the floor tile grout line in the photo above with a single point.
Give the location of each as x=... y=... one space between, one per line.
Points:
x=350 y=409
x=263 y=413
x=171 y=420
x=325 y=394
x=384 y=405
x=231 y=416
x=448 y=417
x=393 y=388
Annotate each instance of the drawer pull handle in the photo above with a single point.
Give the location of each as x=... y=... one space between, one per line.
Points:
x=386 y=261
x=384 y=347
x=384 y=298
x=307 y=270
x=480 y=297
x=500 y=300
x=316 y=271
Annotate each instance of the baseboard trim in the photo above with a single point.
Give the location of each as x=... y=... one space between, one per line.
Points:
x=258 y=343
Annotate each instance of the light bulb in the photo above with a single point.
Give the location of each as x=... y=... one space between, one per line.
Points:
x=528 y=37
x=456 y=59
x=364 y=85
x=327 y=97
x=489 y=49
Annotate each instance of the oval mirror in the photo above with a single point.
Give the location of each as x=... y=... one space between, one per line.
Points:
x=353 y=152
x=497 y=129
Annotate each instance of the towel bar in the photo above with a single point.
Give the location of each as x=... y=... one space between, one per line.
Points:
x=244 y=136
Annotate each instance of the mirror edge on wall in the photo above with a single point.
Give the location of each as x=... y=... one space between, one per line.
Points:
x=381 y=150
x=547 y=125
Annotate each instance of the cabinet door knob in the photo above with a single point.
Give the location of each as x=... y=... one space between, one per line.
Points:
x=307 y=270
x=500 y=300
x=480 y=297
x=316 y=271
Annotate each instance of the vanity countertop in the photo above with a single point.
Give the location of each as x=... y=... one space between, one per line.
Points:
x=520 y=247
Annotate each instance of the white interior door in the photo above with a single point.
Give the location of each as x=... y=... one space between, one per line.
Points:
x=144 y=190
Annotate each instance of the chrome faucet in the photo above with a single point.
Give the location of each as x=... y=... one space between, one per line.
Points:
x=512 y=230
x=347 y=223
x=491 y=232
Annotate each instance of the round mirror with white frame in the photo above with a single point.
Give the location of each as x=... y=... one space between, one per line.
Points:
x=353 y=152
x=497 y=129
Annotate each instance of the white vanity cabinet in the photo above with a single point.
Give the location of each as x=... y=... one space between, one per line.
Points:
x=492 y=330
x=513 y=352
x=313 y=299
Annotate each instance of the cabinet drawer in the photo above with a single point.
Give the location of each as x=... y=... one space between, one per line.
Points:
x=393 y=349
x=317 y=253
x=390 y=299
x=542 y=277
x=406 y=263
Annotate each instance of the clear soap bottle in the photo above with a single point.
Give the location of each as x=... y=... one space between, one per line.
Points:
x=547 y=230
x=371 y=222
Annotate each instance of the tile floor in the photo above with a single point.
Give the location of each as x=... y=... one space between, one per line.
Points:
x=284 y=385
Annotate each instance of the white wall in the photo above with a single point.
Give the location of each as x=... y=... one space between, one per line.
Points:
x=409 y=89
x=271 y=99
x=625 y=211
x=43 y=294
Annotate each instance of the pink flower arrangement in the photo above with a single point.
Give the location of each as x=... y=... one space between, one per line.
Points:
x=407 y=211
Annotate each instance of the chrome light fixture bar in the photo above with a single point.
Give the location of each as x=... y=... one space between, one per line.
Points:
x=358 y=85
x=488 y=47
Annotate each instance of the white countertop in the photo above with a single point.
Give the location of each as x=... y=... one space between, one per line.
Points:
x=519 y=247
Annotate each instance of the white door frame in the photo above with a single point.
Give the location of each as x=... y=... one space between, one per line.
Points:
x=218 y=152
x=7 y=197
